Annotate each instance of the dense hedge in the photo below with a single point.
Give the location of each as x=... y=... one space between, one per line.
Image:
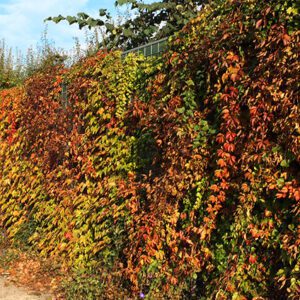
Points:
x=171 y=178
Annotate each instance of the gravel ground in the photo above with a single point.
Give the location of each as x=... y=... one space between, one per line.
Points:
x=9 y=291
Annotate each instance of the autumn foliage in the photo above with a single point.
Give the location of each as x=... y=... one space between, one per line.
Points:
x=175 y=177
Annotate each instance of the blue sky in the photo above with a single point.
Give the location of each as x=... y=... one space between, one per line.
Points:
x=21 y=21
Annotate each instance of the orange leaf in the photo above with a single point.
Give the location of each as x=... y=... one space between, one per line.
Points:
x=213 y=199
x=221 y=163
x=214 y=188
x=297 y=195
x=286 y=39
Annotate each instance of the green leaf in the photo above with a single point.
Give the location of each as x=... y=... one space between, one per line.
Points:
x=71 y=20
x=284 y=163
x=109 y=27
x=127 y=32
x=181 y=110
x=58 y=19
x=81 y=24
x=280 y=182
x=122 y=2
x=83 y=15
x=102 y=12
x=93 y=23
x=275 y=149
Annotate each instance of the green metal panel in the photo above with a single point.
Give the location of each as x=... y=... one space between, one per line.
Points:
x=150 y=49
x=154 y=48
x=64 y=95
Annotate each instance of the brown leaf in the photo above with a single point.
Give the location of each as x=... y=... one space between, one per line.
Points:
x=225 y=36
x=258 y=23
x=268 y=10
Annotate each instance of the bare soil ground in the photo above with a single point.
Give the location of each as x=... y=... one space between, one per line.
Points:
x=9 y=291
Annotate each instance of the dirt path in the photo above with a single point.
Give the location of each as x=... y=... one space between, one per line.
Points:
x=9 y=291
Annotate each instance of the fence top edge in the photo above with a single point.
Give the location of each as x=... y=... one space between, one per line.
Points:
x=145 y=45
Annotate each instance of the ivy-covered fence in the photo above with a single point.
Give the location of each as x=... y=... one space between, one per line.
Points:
x=175 y=178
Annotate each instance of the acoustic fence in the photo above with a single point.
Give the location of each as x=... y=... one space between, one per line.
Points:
x=151 y=49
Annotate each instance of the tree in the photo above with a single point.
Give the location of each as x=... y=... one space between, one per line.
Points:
x=152 y=21
x=11 y=68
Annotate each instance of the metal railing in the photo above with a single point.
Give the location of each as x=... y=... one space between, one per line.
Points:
x=150 y=49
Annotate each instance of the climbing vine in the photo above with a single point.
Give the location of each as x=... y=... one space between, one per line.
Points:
x=172 y=177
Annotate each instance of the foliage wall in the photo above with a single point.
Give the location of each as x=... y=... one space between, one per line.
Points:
x=168 y=178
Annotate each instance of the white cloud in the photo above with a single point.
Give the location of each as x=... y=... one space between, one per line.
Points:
x=22 y=21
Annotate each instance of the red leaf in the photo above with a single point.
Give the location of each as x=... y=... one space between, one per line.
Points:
x=252 y=259
x=68 y=235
